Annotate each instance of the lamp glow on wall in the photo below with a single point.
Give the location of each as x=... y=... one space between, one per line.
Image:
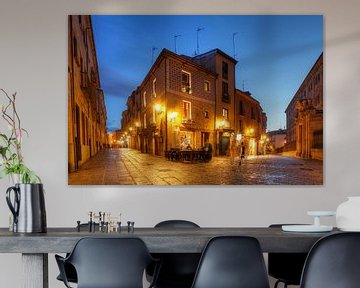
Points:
x=220 y=124
x=158 y=108
x=172 y=116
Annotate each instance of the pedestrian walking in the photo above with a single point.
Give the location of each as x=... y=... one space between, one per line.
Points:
x=242 y=151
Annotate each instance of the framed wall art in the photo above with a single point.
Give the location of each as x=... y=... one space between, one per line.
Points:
x=195 y=100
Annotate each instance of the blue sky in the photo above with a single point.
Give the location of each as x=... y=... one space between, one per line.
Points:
x=274 y=53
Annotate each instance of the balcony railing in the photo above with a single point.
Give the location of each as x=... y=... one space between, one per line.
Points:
x=186 y=89
x=188 y=121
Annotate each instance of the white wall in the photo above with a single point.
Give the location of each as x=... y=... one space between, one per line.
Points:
x=33 y=62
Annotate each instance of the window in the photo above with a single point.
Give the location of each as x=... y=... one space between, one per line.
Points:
x=145 y=120
x=206 y=86
x=225 y=70
x=241 y=127
x=206 y=114
x=317 y=139
x=186 y=110
x=225 y=113
x=225 y=92
x=185 y=82
x=154 y=88
x=241 y=108
x=252 y=113
x=144 y=99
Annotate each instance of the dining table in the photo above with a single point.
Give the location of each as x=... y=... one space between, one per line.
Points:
x=35 y=247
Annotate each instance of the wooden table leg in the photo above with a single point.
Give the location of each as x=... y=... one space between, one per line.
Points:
x=35 y=270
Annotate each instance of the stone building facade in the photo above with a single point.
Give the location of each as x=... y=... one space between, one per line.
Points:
x=277 y=139
x=250 y=122
x=304 y=116
x=86 y=106
x=184 y=101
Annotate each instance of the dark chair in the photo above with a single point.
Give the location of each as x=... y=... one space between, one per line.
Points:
x=69 y=269
x=333 y=262
x=286 y=267
x=108 y=262
x=178 y=269
x=232 y=262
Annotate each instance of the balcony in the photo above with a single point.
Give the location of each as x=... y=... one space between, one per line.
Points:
x=188 y=121
x=186 y=89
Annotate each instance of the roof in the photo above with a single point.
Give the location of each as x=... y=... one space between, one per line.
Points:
x=185 y=59
x=247 y=93
x=214 y=51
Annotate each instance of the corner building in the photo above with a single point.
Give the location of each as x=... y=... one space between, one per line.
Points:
x=183 y=101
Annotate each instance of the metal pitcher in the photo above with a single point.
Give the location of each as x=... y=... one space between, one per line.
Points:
x=28 y=208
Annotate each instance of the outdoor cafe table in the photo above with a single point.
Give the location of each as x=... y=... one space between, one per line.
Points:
x=35 y=247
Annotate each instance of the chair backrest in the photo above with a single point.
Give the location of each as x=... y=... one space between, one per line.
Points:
x=232 y=262
x=110 y=262
x=176 y=224
x=286 y=266
x=177 y=267
x=333 y=262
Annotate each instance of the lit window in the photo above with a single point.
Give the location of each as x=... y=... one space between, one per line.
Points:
x=225 y=113
x=145 y=120
x=185 y=82
x=154 y=88
x=206 y=86
x=186 y=110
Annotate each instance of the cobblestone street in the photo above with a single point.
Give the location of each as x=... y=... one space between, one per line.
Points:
x=130 y=167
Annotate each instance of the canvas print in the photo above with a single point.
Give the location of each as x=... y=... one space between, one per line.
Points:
x=195 y=100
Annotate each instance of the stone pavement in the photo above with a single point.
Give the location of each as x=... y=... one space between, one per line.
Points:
x=130 y=167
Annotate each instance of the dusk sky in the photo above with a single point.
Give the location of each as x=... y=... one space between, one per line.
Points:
x=274 y=53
